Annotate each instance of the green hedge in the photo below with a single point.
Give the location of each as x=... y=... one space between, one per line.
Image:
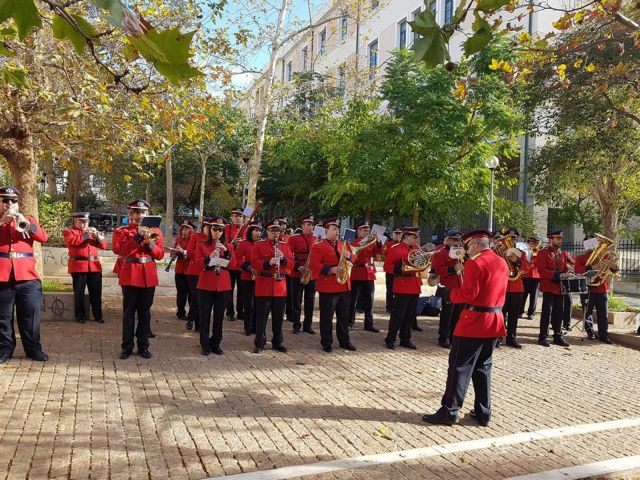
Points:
x=54 y=218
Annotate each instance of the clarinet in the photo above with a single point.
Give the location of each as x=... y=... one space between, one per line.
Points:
x=276 y=250
x=171 y=260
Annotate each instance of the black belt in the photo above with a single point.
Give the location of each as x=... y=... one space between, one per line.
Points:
x=15 y=255
x=90 y=259
x=363 y=265
x=138 y=260
x=408 y=274
x=275 y=276
x=473 y=308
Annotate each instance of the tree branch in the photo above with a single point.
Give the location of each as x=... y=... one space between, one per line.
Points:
x=621 y=110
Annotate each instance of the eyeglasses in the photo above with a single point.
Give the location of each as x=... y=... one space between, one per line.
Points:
x=9 y=200
x=217 y=229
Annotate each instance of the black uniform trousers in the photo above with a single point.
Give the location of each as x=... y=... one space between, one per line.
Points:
x=183 y=294
x=338 y=303
x=402 y=318
x=26 y=296
x=567 y=307
x=249 y=305
x=599 y=301
x=194 y=313
x=449 y=315
x=136 y=301
x=300 y=292
x=530 y=292
x=264 y=306
x=388 y=278
x=552 y=308
x=289 y=304
x=362 y=290
x=236 y=285
x=210 y=337
x=511 y=311
x=93 y=282
x=470 y=359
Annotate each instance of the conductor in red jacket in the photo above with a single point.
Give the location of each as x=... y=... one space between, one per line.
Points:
x=84 y=265
x=139 y=247
x=20 y=285
x=481 y=322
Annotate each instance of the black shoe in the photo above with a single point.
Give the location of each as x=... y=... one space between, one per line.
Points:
x=498 y=342
x=348 y=346
x=591 y=335
x=5 y=357
x=124 y=354
x=100 y=320
x=544 y=342
x=638 y=332
x=484 y=422
x=39 y=356
x=328 y=348
x=217 y=351
x=81 y=320
x=231 y=318
x=417 y=328
x=359 y=310
x=372 y=329
x=560 y=341
x=606 y=340
x=189 y=325
x=440 y=419
x=296 y=329
x=512 y=342
x=152 y=335
x=444 y=343
x=181 y=316
x=145 y=354
x=280 y=348
x=206 y=351
x=390 y=346
x=309 y=330
x=408 y=345
x=248 y=333
x=258 y=350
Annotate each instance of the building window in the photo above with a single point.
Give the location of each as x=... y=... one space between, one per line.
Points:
x=448 y=11
x=433 y=6
x=342 y=86
x=402 y=34
x=344 y=27
x=323 y=42
x=289 y=71
x=373 y=58
x=375 y=4
x=416 y=35
x=304 y=58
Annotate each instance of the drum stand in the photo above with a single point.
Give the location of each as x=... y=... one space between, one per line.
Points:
x=580 y=322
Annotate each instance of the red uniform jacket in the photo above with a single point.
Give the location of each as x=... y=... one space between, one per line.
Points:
x=582 y=267
x=533 y=269
x=516 y=286
x=388 y=268
x=363 y=267
x=324 y=256
x=84 y=248
x=182 y=260
x=194 y=239
x=244 y=255
x=551 y=262
x=268 y=283
x=300 y=246
x=406 y=283
x=24 y=268
x=445 y=267
x=133 y=273
x=208 y=277
x=230 y=232
x=485 y=284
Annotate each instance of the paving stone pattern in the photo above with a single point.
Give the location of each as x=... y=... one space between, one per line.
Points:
x=87 y=414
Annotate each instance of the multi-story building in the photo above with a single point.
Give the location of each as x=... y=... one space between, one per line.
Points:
x=351 y=51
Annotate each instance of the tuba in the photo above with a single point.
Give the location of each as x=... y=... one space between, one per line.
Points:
x=602 y=261
x=344 y=265
x=505 y=246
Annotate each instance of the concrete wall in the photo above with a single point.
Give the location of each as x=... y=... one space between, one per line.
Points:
x=56 y=259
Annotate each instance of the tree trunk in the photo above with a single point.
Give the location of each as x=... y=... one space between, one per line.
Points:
x=416 y=217
x=367 y=215
x=74 y=187
x=203 y=166
x=256 y=161
x=49 y=166
x=169 y=218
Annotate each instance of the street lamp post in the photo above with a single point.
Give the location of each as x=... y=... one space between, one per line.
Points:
x=491 y=163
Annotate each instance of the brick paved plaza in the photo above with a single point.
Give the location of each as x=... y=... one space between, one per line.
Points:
x=87 y=414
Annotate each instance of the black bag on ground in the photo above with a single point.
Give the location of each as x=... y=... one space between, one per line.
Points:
x=429 y=306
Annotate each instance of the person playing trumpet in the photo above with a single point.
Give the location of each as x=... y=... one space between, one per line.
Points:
x=300 y=245
x=140 y=248
x=20 y=286
x=83 y=243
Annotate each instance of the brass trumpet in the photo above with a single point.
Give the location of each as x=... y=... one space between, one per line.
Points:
x=148 y=234
x=21 y=223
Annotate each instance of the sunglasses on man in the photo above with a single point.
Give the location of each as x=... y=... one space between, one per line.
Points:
x=217 y=229
x=9 y=200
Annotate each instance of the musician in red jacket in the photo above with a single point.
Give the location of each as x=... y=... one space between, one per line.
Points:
x=243 y=257
x=482 y=294
x=231 y=234
x=139 y=247
x=406 y=290
x=300 y=245
x=334 y=296
x=553 y=266
x=179 y=255
x=84 y=265
x=515 y=291
x=193 y=274
x=213 y=258
x=271 y=259
x=449 y=270
x=20 y=285
x=598 y=298
x=388 y=270
x=363 y=276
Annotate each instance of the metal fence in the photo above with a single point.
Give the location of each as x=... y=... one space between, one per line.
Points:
x=628 y=257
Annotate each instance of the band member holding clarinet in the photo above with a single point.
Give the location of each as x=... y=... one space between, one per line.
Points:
x=363 y=276
x=328 y=260
x=179 y=256
x=214 y=256
x=193 y=274
x=140 y=248
x=84 y=265
x=235 y=233
x=244 y=254
x=20 y=285
x=303 y=280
